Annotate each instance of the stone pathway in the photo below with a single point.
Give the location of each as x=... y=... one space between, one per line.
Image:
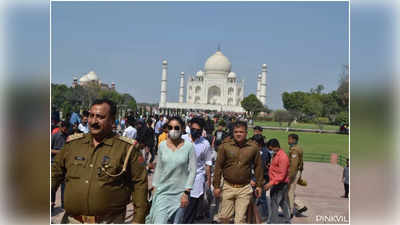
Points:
x=321 y=196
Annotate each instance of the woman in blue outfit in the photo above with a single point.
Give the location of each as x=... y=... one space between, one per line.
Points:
x=173 y=177
x=264 y=202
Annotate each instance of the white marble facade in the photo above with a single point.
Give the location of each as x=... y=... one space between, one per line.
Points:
x=214 y=88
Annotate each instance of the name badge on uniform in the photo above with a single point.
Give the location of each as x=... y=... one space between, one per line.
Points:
x=79 y=158
x=106 y=161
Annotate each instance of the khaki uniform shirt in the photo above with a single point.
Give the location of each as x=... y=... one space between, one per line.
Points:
x=90 y=191
x=296 y=161
x=235 y=162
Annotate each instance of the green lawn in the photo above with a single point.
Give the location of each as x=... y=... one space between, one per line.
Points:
x=312 y=142
x=297 y=125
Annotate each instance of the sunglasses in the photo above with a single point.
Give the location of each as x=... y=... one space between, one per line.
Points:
x=175 y=127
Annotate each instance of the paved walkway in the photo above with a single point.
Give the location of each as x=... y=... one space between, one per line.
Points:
x=321 y=196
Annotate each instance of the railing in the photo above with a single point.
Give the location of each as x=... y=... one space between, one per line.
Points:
x=324 y=157
x=302 y=130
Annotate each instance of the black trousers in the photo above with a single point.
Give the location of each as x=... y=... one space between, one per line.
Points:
x=53 y=194
x=346 y=190
x=191 y=210
x=156 y=144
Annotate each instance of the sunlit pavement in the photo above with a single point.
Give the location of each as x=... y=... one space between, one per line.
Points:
x=321 y=196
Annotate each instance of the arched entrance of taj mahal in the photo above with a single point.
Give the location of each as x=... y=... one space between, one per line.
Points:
x=214 y=95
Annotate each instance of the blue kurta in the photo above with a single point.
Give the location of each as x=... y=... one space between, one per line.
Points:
x=175 y=172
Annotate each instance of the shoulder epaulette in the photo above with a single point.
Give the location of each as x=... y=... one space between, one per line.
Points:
x=127 y=140
x=75 y=137
x=252 y=142
x=295 y=147
x=227 y=139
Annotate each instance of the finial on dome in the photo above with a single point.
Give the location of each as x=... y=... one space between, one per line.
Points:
x=219 y=47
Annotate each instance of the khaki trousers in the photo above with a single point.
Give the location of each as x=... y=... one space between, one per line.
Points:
x=234 y=201
x=119 y=218
x=293 y=202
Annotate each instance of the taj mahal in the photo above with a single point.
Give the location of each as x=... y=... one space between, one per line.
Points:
x=215 y=88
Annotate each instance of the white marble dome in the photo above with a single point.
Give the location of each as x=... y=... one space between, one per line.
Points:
x=84 y=79
x=218 y=62
x=232 y=75
x=92 y=76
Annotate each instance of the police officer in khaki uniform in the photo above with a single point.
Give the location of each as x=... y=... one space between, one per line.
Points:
x=234 y=163
x=295 y=170
x=101 y=171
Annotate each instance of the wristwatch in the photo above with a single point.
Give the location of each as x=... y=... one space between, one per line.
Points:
x=187 y=192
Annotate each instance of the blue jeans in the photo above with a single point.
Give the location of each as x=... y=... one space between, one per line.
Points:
x=264 y=205
x=177 y=217
x=279 y=198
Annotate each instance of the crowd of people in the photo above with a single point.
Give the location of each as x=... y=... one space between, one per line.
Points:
x=174 y=169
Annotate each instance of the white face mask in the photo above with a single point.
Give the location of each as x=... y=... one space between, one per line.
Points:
x=174 y=134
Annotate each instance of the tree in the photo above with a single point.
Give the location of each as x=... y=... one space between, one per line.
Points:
x=342 y=118
x=330 y=105
x=130 y=101
x=318 y=90
x=343 y=89
x=313 y=108
x=294 y=103
x=252 y=105
x=283 y=116
x=58 y=94
x=69 y=99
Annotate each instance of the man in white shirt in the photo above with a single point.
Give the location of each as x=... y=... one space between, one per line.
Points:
x=187 y=129
x=83 y=126
x=130 y=131
x=204 y=162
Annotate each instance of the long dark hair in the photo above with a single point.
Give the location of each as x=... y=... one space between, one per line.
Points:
x=180 y=121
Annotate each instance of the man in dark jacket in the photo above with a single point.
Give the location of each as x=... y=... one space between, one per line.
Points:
x=149 y=140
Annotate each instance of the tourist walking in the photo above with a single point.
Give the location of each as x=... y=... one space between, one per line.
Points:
x=203 y=172
x=130 y=131
x=83 y=126
x=345 y=180
x=263 y=203
x=278 y=183
x=57 y=143
x=173 y=177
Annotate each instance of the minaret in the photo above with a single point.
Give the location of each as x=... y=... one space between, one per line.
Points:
x=258 y=86
x=75 y=82
x=181 y=86
x=113 y=86
x=163 y=96
x=263 y=89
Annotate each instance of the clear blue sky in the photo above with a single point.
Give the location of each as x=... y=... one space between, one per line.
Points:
x=304 y=43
